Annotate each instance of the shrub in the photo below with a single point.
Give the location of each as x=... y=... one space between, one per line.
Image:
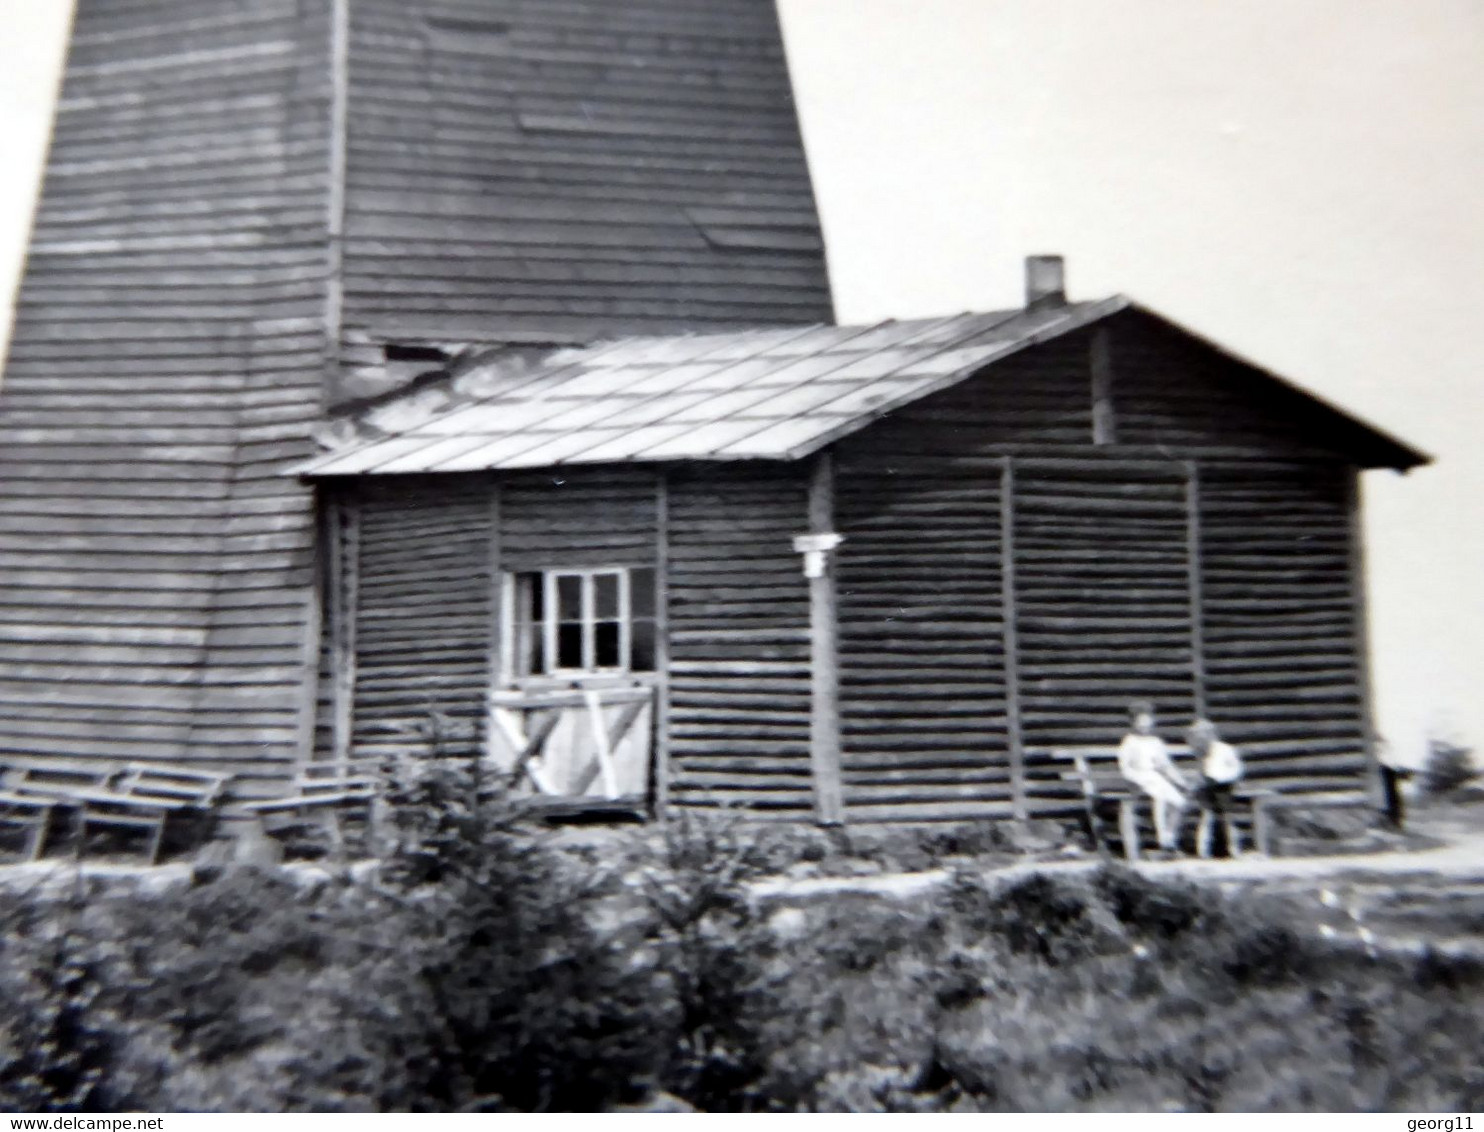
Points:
x=1052 y=920
x=53 y=1055
x=713 y=949
x=487 y=971
x=1151 y=908
x=474 y=975
x=542 y=1008
x=1449 y=767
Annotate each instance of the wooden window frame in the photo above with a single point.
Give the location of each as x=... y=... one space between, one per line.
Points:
x=587 y=619
x=519 y=630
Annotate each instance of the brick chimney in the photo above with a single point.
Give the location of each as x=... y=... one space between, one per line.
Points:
x=1045 y=281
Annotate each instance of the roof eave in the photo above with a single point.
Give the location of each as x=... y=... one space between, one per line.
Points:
x=1403 y=456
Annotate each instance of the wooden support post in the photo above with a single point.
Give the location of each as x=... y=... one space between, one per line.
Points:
x=1011 y=638
x=661 y=721
x=1362 y=635
x=345 y=574
x=495 y=647
x=313 y=629
x=1193 y=570
x=1104 y=423
x=824 y=655
x=1128 y=828
x=339 y=111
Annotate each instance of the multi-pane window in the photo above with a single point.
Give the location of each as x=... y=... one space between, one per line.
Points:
x=584 y=621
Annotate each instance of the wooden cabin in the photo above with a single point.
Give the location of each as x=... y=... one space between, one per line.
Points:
x=857 y=573
x=806 y=569
x=255 y=209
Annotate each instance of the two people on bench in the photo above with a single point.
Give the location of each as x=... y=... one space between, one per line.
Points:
x=1145 y=761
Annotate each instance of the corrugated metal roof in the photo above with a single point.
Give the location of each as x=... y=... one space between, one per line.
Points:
x=773 y=394
x=761 y=394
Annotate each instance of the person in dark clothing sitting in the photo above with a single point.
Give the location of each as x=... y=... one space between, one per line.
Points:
x=1221 y=770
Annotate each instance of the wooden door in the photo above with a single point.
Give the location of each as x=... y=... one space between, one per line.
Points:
x=575 y=742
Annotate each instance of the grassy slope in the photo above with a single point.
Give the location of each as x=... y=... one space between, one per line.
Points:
x=1114 y=993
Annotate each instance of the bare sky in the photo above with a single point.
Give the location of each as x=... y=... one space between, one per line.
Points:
x=1299 y=180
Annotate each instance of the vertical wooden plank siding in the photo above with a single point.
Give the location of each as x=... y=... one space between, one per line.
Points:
x=1011 y=638
x=1193 y=574
x=824 y=654
x=1104 y=423
x=1362 y=631
x=739 y=640
x=1282 y=658
x=662 y=646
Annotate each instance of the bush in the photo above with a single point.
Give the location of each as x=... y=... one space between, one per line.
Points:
x=53 y=1055
x=490 y=986
x=1449 y=767
x=713 y=950
x=1150 y=908
x=485 y=970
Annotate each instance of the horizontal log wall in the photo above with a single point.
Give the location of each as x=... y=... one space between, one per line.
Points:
x=739 y=640
x=423 y=614
x=921 y=659
x=1134 y=577
x=1112 y=601
x=333 y=566
x=1034 y=401
x=578 y=517
x=1102 y=597
x=1282 y=653
x=426 y=580
x=1185 y=398
x=945 y=454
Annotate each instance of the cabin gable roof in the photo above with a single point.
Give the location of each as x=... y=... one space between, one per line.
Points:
x=780 y=393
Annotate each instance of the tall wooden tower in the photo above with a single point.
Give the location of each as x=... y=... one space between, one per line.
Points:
x=256 y=208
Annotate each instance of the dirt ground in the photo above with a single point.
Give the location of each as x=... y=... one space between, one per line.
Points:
x=1426 y=890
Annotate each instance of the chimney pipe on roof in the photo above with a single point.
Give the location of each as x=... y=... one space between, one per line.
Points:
x=1045 y=281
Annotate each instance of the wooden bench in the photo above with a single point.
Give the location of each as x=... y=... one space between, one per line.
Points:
x=1096 y=770
x=145 y=796
x=32 y=792
x=328 y=792
x=1264 y=809
x=30 y=813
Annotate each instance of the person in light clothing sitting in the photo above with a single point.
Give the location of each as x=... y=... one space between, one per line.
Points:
x=1221 y=770
x=1145 y=761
